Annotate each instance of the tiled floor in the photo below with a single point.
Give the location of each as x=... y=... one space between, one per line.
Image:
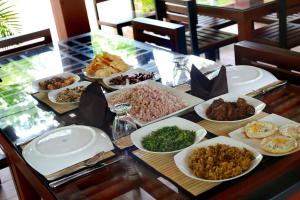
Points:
x=7 y=188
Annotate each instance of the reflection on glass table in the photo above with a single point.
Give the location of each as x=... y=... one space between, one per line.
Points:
x=123 y=124
x=235 y=4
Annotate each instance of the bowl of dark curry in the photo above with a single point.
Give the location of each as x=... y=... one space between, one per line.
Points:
x=230 y=108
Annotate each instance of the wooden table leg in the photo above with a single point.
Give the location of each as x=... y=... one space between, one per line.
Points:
x=245 y=28
x=24 y=189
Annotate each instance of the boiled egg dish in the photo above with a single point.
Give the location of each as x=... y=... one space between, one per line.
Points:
x=260 y=129
x=278 y=144
x=292 y=130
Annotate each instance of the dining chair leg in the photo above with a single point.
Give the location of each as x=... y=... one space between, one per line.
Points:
x=212 y=54
x=119 y=31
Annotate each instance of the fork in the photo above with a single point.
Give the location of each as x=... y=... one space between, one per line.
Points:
x=98 y=165
x=269 y=88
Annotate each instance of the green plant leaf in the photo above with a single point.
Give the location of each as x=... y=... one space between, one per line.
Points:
x=9 y=19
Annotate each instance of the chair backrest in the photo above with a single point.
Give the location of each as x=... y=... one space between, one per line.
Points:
x=283 y=9
x=181 y=12
x=96 y=9
x=95 y=2
x=155 y=31
x=18 y=43
x=282 y=63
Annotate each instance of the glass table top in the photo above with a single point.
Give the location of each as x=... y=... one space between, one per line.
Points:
x=234 y=4
x=20 y=110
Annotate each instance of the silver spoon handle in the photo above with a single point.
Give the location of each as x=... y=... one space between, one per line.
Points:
x=66 y=179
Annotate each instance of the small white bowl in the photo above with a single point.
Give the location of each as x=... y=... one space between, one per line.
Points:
x=36 y=86
x=258 y=105
x=53 y=94
x=181 y=159
x=130 y=72
x=181 y=123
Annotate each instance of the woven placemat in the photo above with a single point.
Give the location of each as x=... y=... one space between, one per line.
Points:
x=76 y=167
x=225 y=128
x=266 y=87
x=123 y=142
x=72 y=168
x=61 y=109
x=183 y=87
x=165 y=165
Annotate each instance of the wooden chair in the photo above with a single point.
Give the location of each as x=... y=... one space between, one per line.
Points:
x=118 y=24
x=155 y=31
x=199 y=40
x=270 y=34
x=273 y=17
x=213 y=22
x=282 y=63
x=18 y=43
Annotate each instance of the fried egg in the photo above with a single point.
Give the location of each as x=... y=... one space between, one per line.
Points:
x=292 y=130
x=260 y=129
x=278 y=144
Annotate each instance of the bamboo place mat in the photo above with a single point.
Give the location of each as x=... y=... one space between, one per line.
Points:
x=59 y=108
x=76 y=167
x=219 y=128
x=260 y=90
x=123 y=142
x=165 y=165
x=183 y=87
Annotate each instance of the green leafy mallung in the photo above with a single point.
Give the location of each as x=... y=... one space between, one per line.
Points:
x=9 y=21
x=169 y=138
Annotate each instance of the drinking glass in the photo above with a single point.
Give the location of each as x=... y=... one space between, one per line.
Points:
x=181 y=71
x=123 y=124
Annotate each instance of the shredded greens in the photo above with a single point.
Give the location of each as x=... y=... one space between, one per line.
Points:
x=169 y=138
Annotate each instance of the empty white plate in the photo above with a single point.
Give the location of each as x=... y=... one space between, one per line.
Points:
x=243 y=79
x=64 y=147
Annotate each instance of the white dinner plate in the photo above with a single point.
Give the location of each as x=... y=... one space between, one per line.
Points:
x=130 y=72
x=230 y=97
x=53 y=94
x=64 y=147
x=181 y=123
x=255 y=143
x=244 y=79
x=181 y=159
x=190 y=100
x=35 y=84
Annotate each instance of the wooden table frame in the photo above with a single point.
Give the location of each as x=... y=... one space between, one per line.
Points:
x=244 y=18
x=27 y=183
